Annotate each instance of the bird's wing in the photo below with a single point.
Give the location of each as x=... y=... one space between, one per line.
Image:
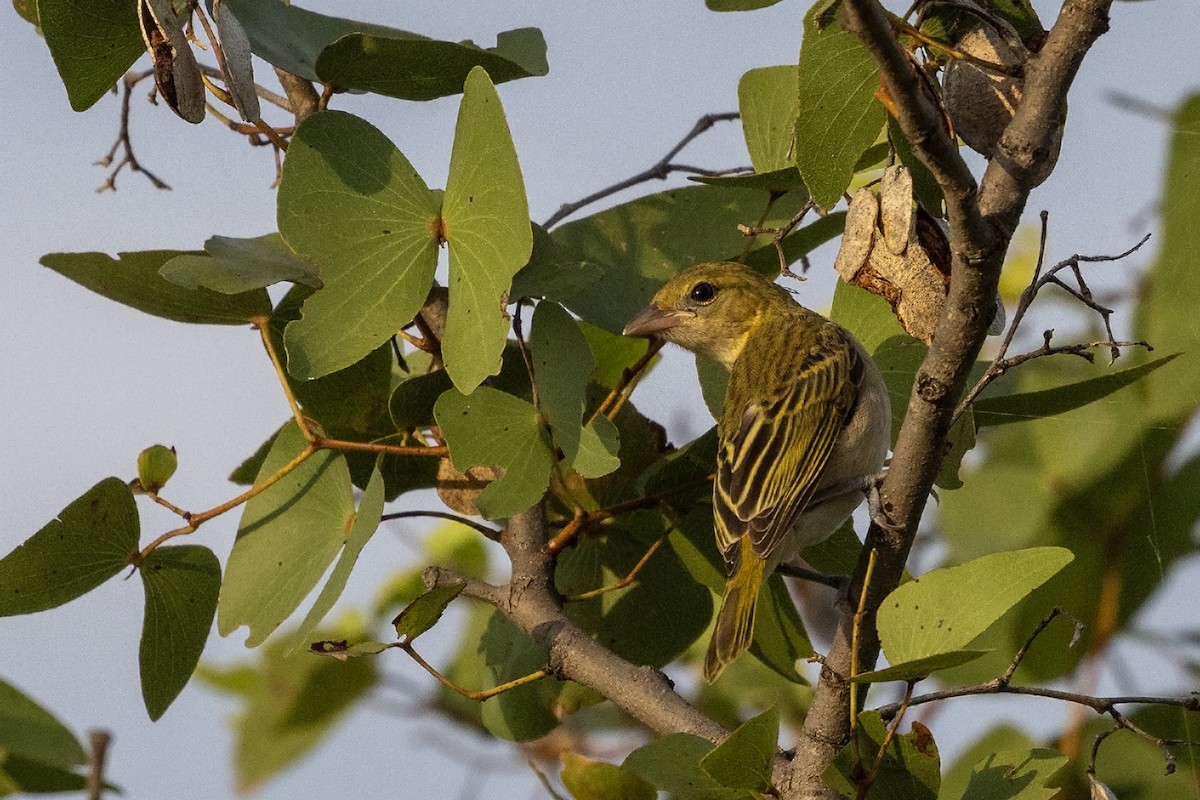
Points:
x=770 y=459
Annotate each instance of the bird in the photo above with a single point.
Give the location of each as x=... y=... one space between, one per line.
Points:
x=802 y=436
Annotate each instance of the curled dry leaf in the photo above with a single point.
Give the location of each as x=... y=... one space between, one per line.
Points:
x=176 y=73
x=458 y=490
x=981 y=102
x=897 y=251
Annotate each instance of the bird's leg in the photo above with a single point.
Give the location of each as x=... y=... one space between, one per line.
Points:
x=838 y=583
x=868 y=485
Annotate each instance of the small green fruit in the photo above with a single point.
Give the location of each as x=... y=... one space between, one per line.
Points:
x=156 y=465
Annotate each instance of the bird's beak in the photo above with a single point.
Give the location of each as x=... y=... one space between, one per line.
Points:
x=654 y=320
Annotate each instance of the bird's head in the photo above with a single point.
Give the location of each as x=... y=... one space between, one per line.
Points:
x=711 y=309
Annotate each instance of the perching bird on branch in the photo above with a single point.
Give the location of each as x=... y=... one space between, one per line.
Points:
x=802 y=436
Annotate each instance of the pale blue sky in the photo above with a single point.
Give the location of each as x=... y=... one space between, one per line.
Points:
x=88 y=383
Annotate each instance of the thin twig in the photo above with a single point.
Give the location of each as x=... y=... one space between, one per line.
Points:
x=490 y=533
x=629 y=377
x=1002 y=362
x=864 y=786
x=98 y=742
x=659 y=171
x=779 y=234
x=124 y=143
x=621 y=583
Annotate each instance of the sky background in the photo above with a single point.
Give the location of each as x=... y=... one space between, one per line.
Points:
x=88 y=384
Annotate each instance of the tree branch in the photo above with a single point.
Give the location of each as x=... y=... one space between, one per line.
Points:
x=982 y=220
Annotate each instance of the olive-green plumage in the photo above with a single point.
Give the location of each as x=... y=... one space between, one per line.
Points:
x=806 y=414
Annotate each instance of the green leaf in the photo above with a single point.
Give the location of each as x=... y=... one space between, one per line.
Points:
x=599 y=443
x=486 y=219
x=596 y=780
x=919 y=668
x=653 y=620
x=779 y=636
x=238 y=66
x=411 y=403
x=746 y=757
x=232 y=265
x=523 y=713
x=776 y=181
x=1172 y=289
x=838 y=117
x=366 y=521
x=30 y=776
x=767 y=101
x=551 y=273
x=413 y=68
x=1000 y=738
x=350 y=202
x=1022 y=406
x=641 y=244
x=423 y=613
x=491 y=428
x=92 y=42
x=944 y=610
x=28 y=729
x=910 y=768
x=672 y=764
x=287 y=538
x=1019 y=774
x=182 y=584
x=291 y=704
x=133 y=279
x=562 y=365
x=89 y=541
x=613 y=354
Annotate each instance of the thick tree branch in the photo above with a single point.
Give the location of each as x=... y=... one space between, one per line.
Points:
x=982 y=221
x=532 y=603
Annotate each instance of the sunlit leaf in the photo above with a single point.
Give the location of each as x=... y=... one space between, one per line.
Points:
x=944 y=610
x=672 y=764
x=910 y=766
x=586 y=779
x=232 y=265
x=423 y=613
x=486 y=220
x=89 y=541
x=744 y=760
x=599 y=444
x=133 y=279
x=287 y=538
x=366 y=521
x=350 y=202
x=767 y=101
x=839 y=116
x=182 y=584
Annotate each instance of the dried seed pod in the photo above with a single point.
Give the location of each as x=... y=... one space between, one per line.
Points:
x=981 y=102
x=176 y=73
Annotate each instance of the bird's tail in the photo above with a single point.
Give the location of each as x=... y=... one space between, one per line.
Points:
x=735 y=620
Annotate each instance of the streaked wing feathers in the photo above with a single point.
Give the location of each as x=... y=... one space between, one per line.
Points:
x=771 y=459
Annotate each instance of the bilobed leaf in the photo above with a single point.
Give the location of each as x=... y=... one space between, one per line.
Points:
x=86 y=544
x=839 y=116
x=350 y=202
x=910 y=767
x=182 y=584
x=366 y=521
x=486 y=222
x=133 y=279
x=944 y=610
x=92 y=42
x=599 y=443
x=415 y=68
x=746 y=757
x=287 y=538
x=232 y=265
x=767 y=101
x=586 y=779
x=1022 y=406
x=423 y=613
x=562 y=365
x=27 y=729
x=491 y=428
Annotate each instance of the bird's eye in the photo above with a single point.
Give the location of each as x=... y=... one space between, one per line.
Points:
x=703 y=292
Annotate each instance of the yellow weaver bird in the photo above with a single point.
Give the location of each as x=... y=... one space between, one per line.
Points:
x=802 y=436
